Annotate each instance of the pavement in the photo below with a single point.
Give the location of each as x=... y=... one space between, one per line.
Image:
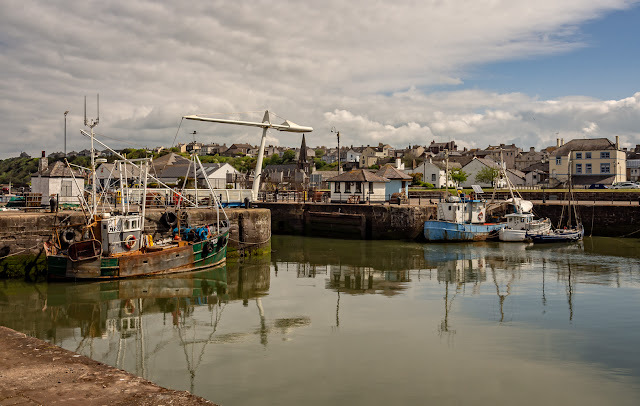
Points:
x=34 y=372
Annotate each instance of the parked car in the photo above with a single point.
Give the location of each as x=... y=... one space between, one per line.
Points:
x=625 y=185
x=598 y=186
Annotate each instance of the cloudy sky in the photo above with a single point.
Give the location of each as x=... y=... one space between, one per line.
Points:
x=402 y=72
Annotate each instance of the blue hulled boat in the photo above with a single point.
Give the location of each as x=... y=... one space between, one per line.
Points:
x=461 y=219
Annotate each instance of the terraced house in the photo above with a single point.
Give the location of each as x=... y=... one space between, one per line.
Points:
x=592 y=161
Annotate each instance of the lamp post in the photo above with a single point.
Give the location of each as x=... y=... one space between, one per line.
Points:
x=333 y=130
x=65 y=133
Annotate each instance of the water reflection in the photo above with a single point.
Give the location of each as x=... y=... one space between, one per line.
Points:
x=321 y=306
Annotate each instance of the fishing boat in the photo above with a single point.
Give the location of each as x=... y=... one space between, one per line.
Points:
x=520 y=224
x=113 y=243
x=461 y=218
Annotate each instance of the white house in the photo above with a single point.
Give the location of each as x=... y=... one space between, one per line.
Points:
x=475 y=166
x=434 y=172
x=57 y=179
x=353 y=155
x=360 y=185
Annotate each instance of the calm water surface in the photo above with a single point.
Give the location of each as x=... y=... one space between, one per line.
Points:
x=366 y=322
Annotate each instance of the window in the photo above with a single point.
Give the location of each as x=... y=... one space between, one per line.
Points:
x=67 y=188
x=433 y=177
x=358 y=187
x=587 y=155
x=578 y=168
x=588 y=168
x=605 y=168
x=371 y=187
x=604 y=155
x=347 y=187
x=558 y=160
x=578 y=155
x=337 y=189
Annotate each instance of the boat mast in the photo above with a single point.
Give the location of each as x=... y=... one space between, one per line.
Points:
x=91 y=124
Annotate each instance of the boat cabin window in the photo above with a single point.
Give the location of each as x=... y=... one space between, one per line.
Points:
x=131 y=224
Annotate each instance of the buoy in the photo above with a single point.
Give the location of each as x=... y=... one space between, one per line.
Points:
x=129 y=307
x=130 y=241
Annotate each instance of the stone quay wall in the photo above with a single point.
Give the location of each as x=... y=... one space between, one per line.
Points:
x=359 y=221
x=393 y=222
x=23 y=234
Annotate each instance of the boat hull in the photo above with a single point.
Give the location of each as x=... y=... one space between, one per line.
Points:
x=435 y=230
x=557 y=236
x=188 y=257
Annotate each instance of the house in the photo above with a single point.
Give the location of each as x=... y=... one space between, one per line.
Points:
x=370 y=156
x=434 y=172
x=475 y=166
x=633 y=169
x=398 y=181
x=526 y=159
x=358 y=185
x=353 y=155
x=238 y=149
x=212 y=149
x=57 y=179
x=504 y=153
x=536 y=174
x=595 y=160
x=108 y=174
x=516 y=177
x=215 y=172
x=436 y=147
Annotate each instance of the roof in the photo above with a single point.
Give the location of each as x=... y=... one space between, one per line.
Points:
x=588 y=144
x=112 y=170
x=58 y=170
x=170 y=159
x=390 y=172
x=358 y=175
x=538 y=166
x=443 y=164
x=488 y=162
x=516 y=172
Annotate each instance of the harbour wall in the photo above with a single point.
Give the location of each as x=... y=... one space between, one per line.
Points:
x=359 y=221
x=22 y=235
x=406 y=222
x=599 y=219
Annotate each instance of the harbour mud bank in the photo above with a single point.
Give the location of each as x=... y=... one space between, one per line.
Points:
x=22 y=235
x=34 y=372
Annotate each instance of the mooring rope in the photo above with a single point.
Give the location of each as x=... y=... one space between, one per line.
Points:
x=20 y=252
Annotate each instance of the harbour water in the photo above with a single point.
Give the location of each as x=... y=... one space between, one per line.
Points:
x=326 y=321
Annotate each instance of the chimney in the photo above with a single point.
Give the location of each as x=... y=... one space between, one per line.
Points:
x=558 y=142
x=532 y=149
x=561 y=141
x=617 y=142
x=43 y=164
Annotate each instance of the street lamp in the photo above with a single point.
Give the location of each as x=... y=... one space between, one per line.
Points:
x=333 y=130
x=65 y=133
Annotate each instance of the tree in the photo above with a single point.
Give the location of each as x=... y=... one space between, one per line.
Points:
x=488 y=175
x=319 y=153
x=459 y=176
x=288 y=156
x=417 y=178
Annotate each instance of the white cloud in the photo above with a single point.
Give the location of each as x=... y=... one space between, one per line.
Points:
x=359 y=66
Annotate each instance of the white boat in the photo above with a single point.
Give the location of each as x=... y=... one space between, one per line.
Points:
x=520 y=224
